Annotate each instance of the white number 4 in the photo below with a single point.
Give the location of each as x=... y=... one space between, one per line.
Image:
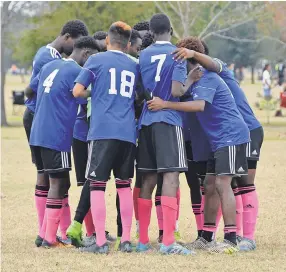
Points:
x=161 y=59
x=49 y=81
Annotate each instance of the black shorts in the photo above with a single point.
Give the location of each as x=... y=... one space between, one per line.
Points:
x=80 y=154
x=253 y=147
x=161 y=148
x=228 y=160
x=51 y=161
x=107 y=155
x=27 y=122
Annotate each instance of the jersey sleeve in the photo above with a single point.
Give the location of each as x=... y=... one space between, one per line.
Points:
x=180 y=72
x=87 y=74
x=204 y=90
x=35 y=83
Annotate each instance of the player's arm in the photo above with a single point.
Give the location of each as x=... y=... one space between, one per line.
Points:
x=80 y=90
x=189 y=106
x=207 y=62
x=29 y=92
x=33 y=86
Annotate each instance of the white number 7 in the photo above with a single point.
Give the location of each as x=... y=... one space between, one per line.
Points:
x=161 y=59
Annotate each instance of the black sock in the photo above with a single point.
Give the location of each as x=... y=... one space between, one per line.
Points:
x=160 y=232
x=230 y=236
x=207 y=235
x=200 y=232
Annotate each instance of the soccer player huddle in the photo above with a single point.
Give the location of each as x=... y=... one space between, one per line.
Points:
x=130 y=100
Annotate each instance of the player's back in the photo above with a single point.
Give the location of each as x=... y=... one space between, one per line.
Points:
x=239 y=96
x=112 y=96
x=43 y=56
x=56 y=106
x=158 y=70
x=221 y=118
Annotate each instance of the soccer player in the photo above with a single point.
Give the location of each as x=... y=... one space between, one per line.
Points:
x=100 y=37
x=135 y=44
x=161 y=144
x=52 y=131
x=228 y=135
x=246 y=187
x=147 y=40
x=62 y=44
x=80 y=154
x=112 y=133
x=142 y=27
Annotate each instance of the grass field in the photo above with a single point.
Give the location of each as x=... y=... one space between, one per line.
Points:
x=19 y=224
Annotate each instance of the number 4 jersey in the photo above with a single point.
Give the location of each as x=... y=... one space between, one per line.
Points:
x=113 y=77
x=158 y=70
x=56 y=108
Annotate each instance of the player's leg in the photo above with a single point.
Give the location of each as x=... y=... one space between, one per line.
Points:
x=170 y=162
x=57 y=164
x=100 y=161
x=158 y=205
x=248 y=191
x=239 y=207
x=136 y=193
x=123 y=169
x=148 y=167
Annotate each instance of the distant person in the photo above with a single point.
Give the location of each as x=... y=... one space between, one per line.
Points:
x=14 y=69
x=231 y=68
x=142 y=27
x=281 y=71
x=266 y=81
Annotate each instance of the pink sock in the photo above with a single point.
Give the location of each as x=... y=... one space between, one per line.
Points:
x=126 y=207
x=41 y=194
x=65 y=218
x=178 y=202
x=250 y=212
x=198 y=215
x=98 y=211
x=159 y=213
x=170 y=210
x=136 y=193
x=44 y=226
x=239 y=211
x=89 y=224
x=144 y=212
x=53 y=213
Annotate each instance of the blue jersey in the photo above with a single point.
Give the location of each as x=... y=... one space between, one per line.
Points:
x=81 y=126
x=113 y=77
x=56 y=108
x=158 y=70
x=44 y=55
x=221 y=120
x=239 y=96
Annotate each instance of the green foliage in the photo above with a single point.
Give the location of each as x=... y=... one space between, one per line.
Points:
x=97 y=15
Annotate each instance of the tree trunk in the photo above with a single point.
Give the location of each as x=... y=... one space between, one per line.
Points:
x=252 y=75
x=3 y=76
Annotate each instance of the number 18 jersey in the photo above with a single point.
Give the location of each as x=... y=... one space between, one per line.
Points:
x=158 y=70
x=113 y=77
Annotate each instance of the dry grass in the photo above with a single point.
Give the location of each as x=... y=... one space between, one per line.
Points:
x=19 y=227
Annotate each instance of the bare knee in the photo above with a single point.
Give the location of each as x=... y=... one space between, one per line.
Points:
x=209 y=185
x=149 y=182
x=223 y=183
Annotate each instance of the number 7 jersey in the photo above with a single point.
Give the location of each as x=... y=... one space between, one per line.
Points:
x=158 y=70
x=113 y=77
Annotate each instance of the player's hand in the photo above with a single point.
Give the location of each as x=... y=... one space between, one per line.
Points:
x=181 y=54
x=195 y=74
x=156 y=104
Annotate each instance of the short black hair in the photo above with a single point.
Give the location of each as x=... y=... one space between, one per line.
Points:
x=119 y=32
x=100 y=35
x=147 y=40
x=160 y=23
x=86 y=42
x=143 y=25
x=205 y=47
x=134 y=36
x=75 y=28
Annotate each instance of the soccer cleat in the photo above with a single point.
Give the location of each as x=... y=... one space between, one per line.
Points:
x=238 y=238
x=104 y=249
x=175 y=249
x=200 y=244
x=89 y=240
x=178 y=238
x=117 y=243
x=225 y=247
x=247 y=245
x=57 y=244
x=109 y=237
x=39 y=240
x=67 y=242
x=125 y=247
x=74 y=232
x=143 y=247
